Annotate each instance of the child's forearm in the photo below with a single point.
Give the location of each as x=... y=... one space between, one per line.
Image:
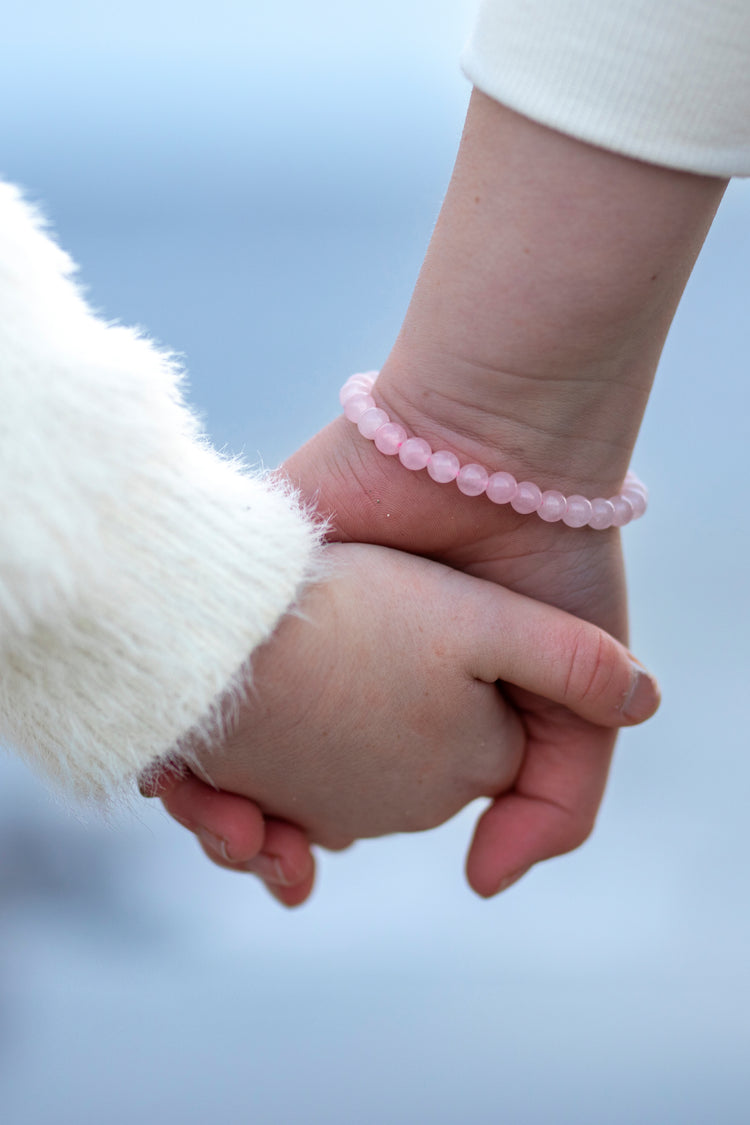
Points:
x=545 y=297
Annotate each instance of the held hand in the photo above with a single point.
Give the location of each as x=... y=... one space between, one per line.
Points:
x=369 y=497
x=376 y=710
x=530 y=344
x=552 y=806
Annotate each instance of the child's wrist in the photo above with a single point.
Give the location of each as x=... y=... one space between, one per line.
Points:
x=357 y=397
x=566 y=433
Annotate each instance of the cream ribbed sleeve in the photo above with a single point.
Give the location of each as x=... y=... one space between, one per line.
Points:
x=666 y=81
x=138 y=568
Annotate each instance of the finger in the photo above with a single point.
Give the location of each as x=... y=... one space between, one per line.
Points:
x=556 y=656
x=552 y=808
x=234 y=835
x=293 y=896
x=233 y=826
x=159 y=778
x=285 y=859
x=285 y=864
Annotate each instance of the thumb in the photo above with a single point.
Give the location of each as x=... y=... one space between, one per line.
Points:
x=557 y=656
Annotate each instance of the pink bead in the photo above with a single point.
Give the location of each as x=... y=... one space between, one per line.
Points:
x=602 y=514
x=527 y=498
x=355 y=406
x=350 y=389
x=443 y=466
x=623 y=511
x=552 y=507
x=371 y=421
x=357 y=384
x=637 y=500
x=472 y=480
x=578 y=511
x=414 y=453
x=501 y=488
x=634 y=482
x=389 y=437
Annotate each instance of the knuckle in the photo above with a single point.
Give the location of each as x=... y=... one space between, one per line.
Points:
x=424 y=820
x=432 y=813
x=592 y=668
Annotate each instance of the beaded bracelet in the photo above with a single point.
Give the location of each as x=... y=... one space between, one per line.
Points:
x=474 y=480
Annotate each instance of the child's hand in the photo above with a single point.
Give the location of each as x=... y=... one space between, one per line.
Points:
x=376 y=709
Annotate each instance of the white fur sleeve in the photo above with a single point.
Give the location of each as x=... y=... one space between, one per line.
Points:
x=138 y=568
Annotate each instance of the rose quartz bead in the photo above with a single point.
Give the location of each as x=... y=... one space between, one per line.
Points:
x=637 y=500
x=578 y=511
x=389 y=437
x=633 y=484
x=501 y=488
x=356 y=406
x=414 y=453
x=472 y=480
x=350 y=389
x=623 y=511
x=371 y=421
x=443 y=466
x=552 y=507
x=602 y=514
x=632 y=481
x=357 y=384
x=527 y=498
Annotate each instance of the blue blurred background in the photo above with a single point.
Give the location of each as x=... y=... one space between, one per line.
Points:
x=256 y=185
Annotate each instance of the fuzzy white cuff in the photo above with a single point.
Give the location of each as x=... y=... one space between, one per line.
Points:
x=138 y=568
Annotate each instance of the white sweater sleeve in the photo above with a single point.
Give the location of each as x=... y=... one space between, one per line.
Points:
x=666 y=81
x=138 y=568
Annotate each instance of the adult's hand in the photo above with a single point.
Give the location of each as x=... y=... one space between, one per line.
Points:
x=375 y=708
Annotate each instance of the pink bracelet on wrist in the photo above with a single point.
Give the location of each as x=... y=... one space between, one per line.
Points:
x=474 y=480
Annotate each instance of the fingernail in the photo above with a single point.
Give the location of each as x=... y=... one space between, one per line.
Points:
x=215 y=844
x=269 y=869
x=509 y=880
x=644 y=695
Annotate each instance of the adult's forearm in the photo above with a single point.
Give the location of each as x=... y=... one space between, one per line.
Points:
x=549 y=286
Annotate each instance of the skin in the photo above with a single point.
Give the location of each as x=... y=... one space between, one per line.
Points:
x=530 y=345
x=407 y=741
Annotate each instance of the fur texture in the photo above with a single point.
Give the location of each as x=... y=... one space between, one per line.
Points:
x=138 y=568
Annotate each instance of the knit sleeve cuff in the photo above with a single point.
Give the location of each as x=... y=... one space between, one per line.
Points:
x=666 y=82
